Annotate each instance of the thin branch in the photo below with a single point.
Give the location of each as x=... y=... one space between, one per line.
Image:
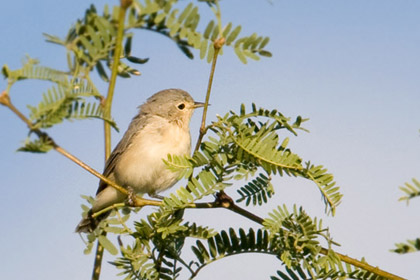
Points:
x=137 y=200
x=217 y=46
x=225 y=201
x=5 y=100
x=124 y=4
x=123 y=223
x=227 y=254
x=222 y=200
x=98 y=261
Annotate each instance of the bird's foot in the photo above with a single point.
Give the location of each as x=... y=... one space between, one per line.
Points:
x=154 y=195
x=131 y=198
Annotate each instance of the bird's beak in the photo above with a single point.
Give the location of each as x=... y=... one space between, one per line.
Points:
x=198 y=104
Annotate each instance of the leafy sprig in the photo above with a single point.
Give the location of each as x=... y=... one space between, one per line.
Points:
x=411 y=190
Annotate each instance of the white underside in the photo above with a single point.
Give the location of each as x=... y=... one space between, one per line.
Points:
x=141 y=166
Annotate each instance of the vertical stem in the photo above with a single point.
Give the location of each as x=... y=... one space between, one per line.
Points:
x=217 y=45
x=117 y=54
x=206 y=103
x=124 y=4
x=98 y=261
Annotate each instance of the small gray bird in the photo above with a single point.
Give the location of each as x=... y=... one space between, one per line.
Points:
x=160 y=128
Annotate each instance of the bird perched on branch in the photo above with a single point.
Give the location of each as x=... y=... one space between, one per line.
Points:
x=160 y=128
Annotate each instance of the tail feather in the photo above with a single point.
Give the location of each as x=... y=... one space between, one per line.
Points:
x=89 y=223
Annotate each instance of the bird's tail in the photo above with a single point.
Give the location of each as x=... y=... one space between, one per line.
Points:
x=89 y=223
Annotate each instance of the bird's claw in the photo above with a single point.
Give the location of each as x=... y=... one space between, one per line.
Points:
x=154 y=195
x=131 y=198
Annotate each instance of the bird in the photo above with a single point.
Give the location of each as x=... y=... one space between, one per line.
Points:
x=161 y=127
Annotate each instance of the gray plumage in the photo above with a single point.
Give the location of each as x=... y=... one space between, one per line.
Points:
x=160 y=128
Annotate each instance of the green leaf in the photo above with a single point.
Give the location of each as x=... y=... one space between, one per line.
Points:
x=107 y=244
x=409 y=246
x=232 y=36
x=227 y=29
x=137 y=60
x=187 y=11
x=208 y=29
x=326 y=184
x=31 y=70
x=127 y=46
x=240 y=55
x=53 y=39
x=180 y=164
x=210 y=53
x=410 y=190
x=251 y=55
x=5 y=71
x=125 y=71
x=41 y=145
x=94 y=37
x=186 y=51
x=101 y=72
x=257 y=191
x=203 y=49
x=228 y=243
x=116 y=230
x=264 y=42
x=265 y=53
x=215 y=33
x=160 y=17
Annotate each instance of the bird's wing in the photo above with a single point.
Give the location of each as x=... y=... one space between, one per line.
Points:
x=134 y=128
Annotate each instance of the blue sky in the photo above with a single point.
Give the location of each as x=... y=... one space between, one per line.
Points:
x=352 y=67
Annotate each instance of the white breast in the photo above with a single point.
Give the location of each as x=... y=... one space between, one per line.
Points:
x=141 y=166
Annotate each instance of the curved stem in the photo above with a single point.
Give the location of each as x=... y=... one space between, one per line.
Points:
x=230 y=254
x=222 y=201
x=225 y=201
x=137 y=201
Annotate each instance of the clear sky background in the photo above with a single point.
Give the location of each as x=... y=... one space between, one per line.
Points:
x=352 y=67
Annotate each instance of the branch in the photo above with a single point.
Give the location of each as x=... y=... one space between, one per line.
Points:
x=218 y=44
x=137 y=200
x=225 y=201
x=222 y=199
x=124 y=4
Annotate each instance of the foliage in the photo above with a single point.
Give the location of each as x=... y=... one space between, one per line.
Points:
x=69 y=98
x=407 y=247
x=250 y=146
x=294 y=238
x=222 y=159
x=239 y=147
x=410 y=190
x=413 y=245
x=347 y=272
x=258 y=191
x=89 y=45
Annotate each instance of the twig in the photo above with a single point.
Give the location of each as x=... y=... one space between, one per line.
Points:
x=123 y=223
x=217 y=46
x=225 y=201
x=222 y=199
x=137 y=200
x=124 y=4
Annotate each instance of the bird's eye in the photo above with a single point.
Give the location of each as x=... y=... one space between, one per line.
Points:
x=181 y=106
